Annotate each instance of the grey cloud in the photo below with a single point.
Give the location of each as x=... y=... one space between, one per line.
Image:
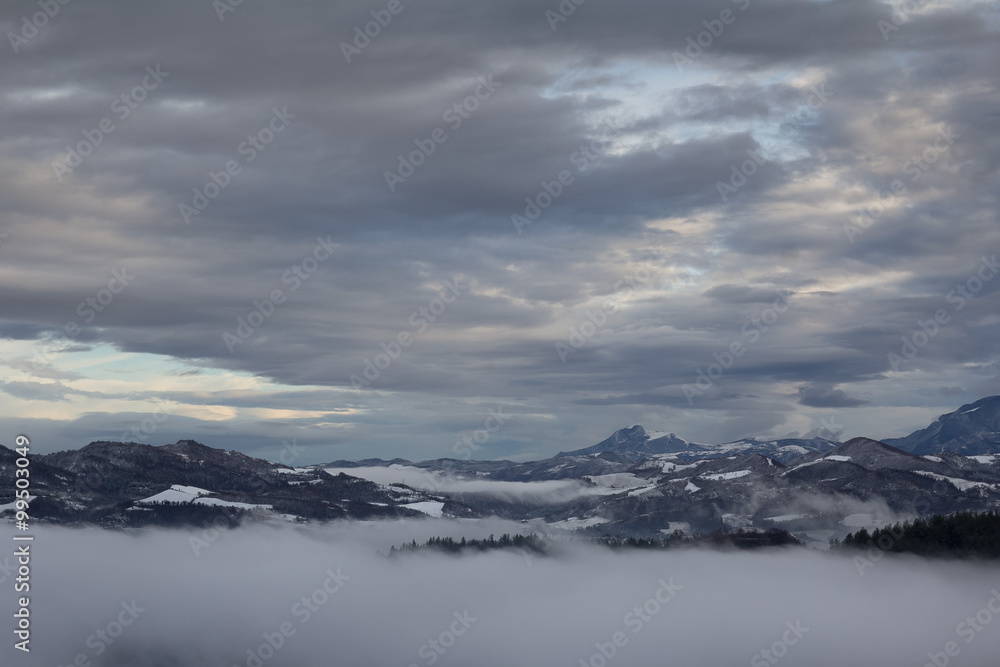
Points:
x=652 y=193
x=37 y=391
x=825 y=396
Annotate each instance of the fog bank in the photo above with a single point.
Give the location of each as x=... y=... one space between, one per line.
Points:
x=339 y=603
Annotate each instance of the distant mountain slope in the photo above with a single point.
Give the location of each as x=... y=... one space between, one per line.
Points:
x=118 y=484
x=636 y=443
x=972 y=429
x=633 y=483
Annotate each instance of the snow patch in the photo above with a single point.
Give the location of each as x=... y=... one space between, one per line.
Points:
x=618 y=480
x=670 y=466
x=803 y=465
x=682 y=526
x=428 y=507
x=177 y=493
x=960 y=484
x=837 y=457
x=858 y=520
x=737 y=521
x=576 y=523
x=13 y=505
x=725 y=475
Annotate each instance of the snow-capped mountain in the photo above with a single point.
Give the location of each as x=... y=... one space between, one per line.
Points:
x=970 y=430
x=636 y=443
x=632 y=483
x=128 y=484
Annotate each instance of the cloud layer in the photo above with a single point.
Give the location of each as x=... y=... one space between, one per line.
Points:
x=159 y=603
x=651 y=186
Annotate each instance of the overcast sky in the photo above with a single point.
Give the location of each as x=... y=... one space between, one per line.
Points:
x=698 y=171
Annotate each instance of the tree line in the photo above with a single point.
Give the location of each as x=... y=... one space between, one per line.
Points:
x=961 y=535
x=530 y=542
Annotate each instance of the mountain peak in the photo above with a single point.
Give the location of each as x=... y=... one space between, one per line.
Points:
x=636 y=443
x=871 y=454
x=972 y=429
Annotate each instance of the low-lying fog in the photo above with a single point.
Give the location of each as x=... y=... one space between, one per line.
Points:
x=542 y=492
x=315 y=596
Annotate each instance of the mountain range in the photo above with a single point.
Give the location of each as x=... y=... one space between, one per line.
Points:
x=970 y=430
x=634 y=482
x=636 y=443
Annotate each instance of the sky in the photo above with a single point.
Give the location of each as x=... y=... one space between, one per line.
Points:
x=401 y=229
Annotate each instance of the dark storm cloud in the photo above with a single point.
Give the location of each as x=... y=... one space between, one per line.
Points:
x=837 y=110
x=825 y=396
